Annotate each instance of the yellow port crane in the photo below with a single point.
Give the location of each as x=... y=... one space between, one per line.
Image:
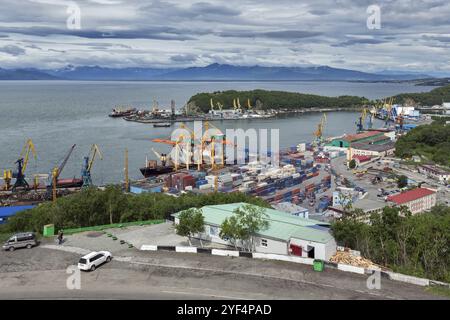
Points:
x=29 y=146
x=320 y=128
x=212 y=105
x=249 y=106
x=22 y=163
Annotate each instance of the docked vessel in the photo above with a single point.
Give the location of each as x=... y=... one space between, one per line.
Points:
x=152 y=169
x=162 y=125
x=69 y=183
x=118 y=113
x=148 y=172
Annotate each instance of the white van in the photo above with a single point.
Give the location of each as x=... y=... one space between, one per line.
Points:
x=93 y=260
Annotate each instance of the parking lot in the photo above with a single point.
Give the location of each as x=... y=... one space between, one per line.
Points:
x=157 y=234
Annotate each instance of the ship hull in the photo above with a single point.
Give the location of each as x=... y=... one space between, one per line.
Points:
x=69 y=183
x=156 y=171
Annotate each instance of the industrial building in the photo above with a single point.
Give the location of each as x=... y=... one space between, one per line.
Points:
x=292 y=209
x=367 y=206
x=286 y=234
x=374 y=150
x=374 y=137
x=416 y=200
x=435 y=173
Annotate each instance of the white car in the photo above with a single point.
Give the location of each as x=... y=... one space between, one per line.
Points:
x=93 y=260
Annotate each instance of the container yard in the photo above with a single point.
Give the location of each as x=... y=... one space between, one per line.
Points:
x=299 y=179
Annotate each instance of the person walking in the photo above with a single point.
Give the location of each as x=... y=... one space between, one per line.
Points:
x=60 y=237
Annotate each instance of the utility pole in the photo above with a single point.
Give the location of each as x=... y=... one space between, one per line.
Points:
x=127 y=181
x=54 y=175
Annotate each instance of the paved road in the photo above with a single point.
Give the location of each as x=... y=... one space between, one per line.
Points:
x=40 y=273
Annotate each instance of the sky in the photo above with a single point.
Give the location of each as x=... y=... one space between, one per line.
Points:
x=413 y=35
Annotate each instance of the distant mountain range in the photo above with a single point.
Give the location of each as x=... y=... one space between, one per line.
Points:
x=211 y=72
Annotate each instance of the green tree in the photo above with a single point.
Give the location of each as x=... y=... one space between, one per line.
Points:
x=231 y=230
x=191 y=222
x=415 y=245
x=245 y=223
x=352 y=164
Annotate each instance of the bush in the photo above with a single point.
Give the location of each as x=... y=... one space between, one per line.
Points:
x=416 y=245
x=93 y=207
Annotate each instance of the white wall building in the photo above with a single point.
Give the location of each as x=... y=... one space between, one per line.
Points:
x=286 y=234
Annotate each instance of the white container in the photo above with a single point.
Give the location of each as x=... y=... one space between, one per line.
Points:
x=205 y=186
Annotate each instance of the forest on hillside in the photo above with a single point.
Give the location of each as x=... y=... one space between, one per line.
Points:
x=416 y=245
x=431 y=142
x=263 y=99
x=434 y=97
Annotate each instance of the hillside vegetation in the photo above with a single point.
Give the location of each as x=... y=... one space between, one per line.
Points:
x=92 y=207
x=431 y=142
x=416 y=245
x=434 y=97
x=263 y=99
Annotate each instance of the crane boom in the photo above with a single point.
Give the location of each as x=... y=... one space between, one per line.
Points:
x=25 y=154
x=63 y=164
x=94 y=150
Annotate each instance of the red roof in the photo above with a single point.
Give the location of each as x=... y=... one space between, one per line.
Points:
x=362 y=158
x=411 y=195
x=359 y=136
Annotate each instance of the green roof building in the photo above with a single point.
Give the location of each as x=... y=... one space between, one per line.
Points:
x=287 y=234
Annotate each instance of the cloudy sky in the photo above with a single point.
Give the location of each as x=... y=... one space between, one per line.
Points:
x=414 y=34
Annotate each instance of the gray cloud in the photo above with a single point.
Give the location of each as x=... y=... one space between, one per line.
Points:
x=119 y=33
x=184 y=58
x=356 y=41
x=12 y=50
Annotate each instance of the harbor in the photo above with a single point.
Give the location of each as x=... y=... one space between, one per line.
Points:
x=303 y=178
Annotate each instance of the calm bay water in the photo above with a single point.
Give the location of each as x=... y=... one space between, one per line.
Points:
x=57 y=114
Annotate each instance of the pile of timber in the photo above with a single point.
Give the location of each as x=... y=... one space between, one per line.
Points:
x=344 y=257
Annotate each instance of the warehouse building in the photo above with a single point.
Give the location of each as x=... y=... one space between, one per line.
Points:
x=364 y=137
x=286 y=234
x=435 y=173
x=416 y=200
x=373 y=150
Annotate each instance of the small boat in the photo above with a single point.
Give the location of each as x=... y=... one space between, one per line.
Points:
x=162 y=125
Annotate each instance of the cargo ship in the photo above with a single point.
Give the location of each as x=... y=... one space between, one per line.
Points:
x=69 y=183
x=152 y=169
x=118 y=113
